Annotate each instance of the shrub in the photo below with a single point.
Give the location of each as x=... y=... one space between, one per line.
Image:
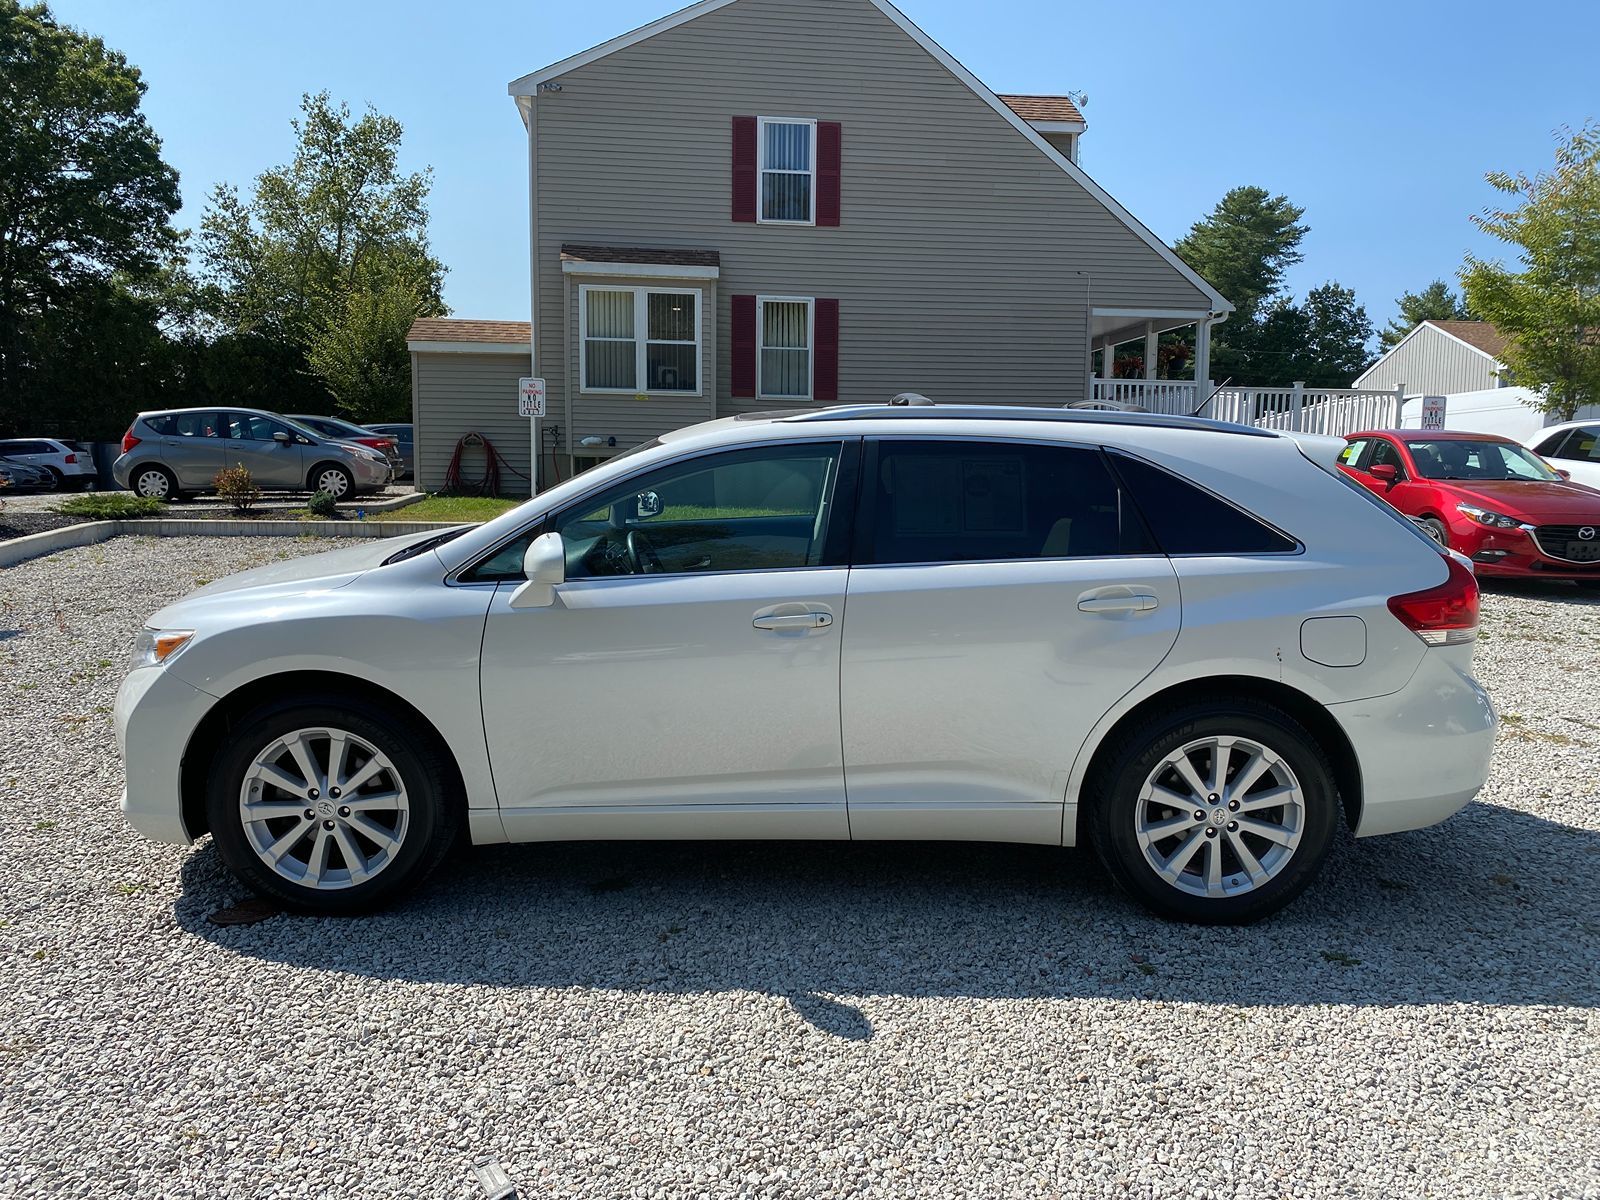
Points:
x=235 y=486
x=322 y=504
x=109 y=506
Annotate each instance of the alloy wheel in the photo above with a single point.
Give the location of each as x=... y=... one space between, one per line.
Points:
x=324 y=808
x=1220 y=816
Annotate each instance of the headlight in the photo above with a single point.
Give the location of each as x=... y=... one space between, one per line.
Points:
x=1484 y=517
x=154 y=646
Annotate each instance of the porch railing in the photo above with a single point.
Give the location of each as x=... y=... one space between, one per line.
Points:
x=1336 y=411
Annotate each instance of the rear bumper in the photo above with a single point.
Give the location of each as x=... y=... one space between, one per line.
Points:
x=1424 y=750
x=156 y=715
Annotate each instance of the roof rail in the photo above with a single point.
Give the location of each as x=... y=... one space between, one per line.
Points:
x=1019 y=412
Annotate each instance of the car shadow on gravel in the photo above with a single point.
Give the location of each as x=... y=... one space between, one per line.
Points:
x=1493 y=907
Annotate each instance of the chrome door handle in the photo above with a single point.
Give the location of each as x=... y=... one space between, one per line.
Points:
x=805 y=620
x=1138 y=602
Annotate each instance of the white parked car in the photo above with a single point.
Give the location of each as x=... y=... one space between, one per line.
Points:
x=1195 y=646
x=70 y=467
x=1573 y=447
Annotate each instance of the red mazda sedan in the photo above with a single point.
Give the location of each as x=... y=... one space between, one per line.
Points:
x=1488 y=497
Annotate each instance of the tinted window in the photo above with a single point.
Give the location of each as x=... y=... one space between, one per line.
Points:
x=1188 y=520
x=249 y=427
x=940 y=502
x=1384 y=453
x=744 y=510
x=185 y=424
x=1351 y=454
x=1582 y=444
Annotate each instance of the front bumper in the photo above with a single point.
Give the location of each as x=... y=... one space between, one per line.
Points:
x=372 y=474
x=156 y=715
x=1424 y=750
x=1514 y=554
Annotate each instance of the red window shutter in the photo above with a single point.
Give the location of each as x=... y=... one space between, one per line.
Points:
x=825 y=354
x=744 y=169
x=743 y=373
x=830 y=135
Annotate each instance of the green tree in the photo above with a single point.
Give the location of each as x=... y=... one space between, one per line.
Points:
x=85 y=208
x=328 y=256
x=1549 y=310
x=1436 y=302
x=1338 y=342
x=1244 y=246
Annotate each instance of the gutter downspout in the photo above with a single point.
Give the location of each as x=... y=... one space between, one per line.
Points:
x=526 y=108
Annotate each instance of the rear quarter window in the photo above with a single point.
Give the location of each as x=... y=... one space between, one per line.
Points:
x=1186 y=519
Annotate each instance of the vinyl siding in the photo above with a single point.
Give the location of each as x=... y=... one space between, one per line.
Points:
x=1432 y=363
x=966 y=261
x=457 y=394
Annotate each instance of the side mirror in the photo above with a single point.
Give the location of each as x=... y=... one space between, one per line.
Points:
x=281 y=437
x=1385 y=473
x=647 y=504
x=544 y=566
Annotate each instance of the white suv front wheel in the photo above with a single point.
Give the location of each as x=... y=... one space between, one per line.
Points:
x=330 y=809
x=1218 y=813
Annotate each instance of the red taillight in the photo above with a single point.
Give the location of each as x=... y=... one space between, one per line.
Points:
x=376 y=443
x=1446 y=615
x=72 y=458
x=128 y=440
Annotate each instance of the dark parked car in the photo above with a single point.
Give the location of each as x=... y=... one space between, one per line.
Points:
x=21 y=476
x=402 y=434
x=347 y=431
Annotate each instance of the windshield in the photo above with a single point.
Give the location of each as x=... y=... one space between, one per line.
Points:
x=1459 y=458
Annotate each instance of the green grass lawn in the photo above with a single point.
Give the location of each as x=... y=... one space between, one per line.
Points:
x=446 y=508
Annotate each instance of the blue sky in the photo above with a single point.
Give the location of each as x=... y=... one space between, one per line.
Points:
x=1379 y=118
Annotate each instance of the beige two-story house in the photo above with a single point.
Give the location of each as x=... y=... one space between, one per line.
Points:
x=757 y=204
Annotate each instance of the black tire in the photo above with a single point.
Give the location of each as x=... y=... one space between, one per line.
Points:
x=138 y=474
x=1436 y=529
x=1114 y=806
x=432 y=820
x=58 y=481
x=321 y=471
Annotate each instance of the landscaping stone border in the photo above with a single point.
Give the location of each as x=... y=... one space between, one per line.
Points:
x=89 y=532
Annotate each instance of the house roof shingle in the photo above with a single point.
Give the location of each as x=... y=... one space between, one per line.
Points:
x=1043 y=108
x=655 y=256
x=1478 y=334
x=456 y=329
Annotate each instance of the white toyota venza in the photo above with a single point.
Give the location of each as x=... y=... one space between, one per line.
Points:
x=1196 y=647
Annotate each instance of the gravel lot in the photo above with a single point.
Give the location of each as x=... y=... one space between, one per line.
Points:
x=742 y=1020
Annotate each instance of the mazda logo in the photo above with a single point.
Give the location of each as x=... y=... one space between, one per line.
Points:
x=1587 y=533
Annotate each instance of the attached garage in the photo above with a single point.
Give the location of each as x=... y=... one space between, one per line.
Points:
x=463 y=382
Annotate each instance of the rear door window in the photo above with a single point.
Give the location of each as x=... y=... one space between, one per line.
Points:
x=1190 y=520
x=187 y=424
x=965 y=501
x=1350 y=456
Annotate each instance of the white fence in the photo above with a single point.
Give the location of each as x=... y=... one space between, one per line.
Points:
x=1336 y=411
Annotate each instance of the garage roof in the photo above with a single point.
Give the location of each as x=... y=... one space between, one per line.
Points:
x=461 y=329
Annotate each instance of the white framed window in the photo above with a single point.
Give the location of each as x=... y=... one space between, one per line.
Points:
x=636 y=340
x=786 y=165
x=785 y=326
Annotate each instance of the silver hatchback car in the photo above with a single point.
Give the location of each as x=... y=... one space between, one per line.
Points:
x=165 y=454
